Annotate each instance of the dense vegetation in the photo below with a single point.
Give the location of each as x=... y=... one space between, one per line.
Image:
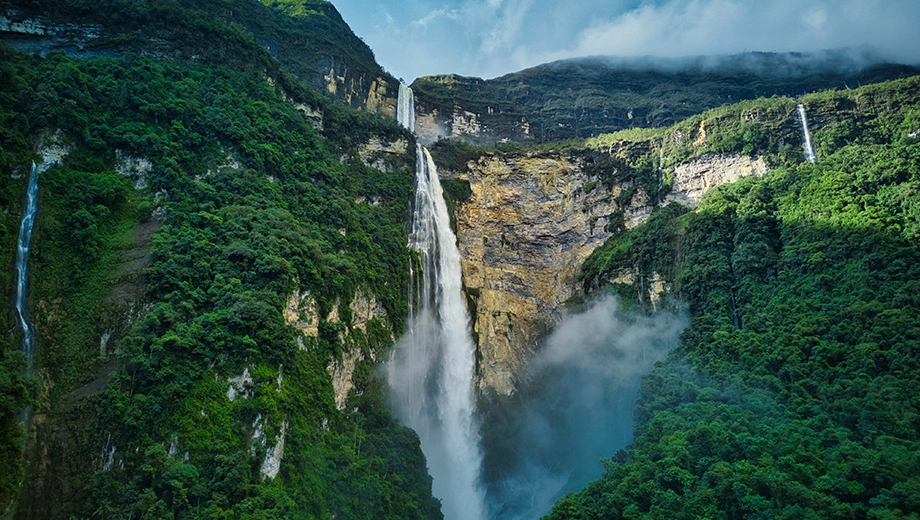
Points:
x=308 y=37
x=248 y=202
x=591 y=96
x=793 y=393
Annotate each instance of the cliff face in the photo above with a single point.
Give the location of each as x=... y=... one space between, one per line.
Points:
x=436 y=120
x=528 y=226
x=522 y=236
x=359 y=89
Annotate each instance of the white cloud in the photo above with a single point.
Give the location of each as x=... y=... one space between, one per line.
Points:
x=437 y=14
x=492 y=37
x=504 y=35
x=816 y=18
x=677 y=28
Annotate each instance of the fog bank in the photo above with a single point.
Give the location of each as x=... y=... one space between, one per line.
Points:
x=574 y=408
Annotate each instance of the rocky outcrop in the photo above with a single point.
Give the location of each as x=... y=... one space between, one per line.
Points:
x=301 y=313
x=136 y=168
x=434 y=121
x=359 y=89
x=432 y=124
x=693 y=179
x=377 y=153
x=271 y=466
x=528 y=226
x=651 y=289
x=39 y=34
x=24 y=27
x=523 y=234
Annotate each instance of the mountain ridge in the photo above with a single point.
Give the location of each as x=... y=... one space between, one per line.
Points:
x=584 y=97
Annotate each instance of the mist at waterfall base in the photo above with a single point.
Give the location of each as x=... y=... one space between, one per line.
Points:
x=431 y=372
x=575 y=407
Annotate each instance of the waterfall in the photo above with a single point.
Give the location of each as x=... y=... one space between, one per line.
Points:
x=22 y=253
x=405 y=107
x=809 y=149
x=431 y=373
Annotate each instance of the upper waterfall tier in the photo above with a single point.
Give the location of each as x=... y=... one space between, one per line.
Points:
x=405 y=108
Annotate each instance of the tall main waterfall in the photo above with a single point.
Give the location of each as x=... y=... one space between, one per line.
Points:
x=22 y=254
x=431 y=374
x=809 y=149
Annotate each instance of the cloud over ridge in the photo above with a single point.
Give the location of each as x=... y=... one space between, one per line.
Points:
x=488 y=38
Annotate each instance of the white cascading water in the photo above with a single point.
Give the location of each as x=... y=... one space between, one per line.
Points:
x=22 y=254
x=405 y=107
x=809 y=149
x=431 y=373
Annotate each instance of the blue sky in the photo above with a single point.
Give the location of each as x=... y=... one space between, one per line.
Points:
x=488 y=38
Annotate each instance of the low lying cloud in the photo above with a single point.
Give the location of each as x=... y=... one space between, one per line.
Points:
x=576 y=408
x=699 y=27
x=487 y=38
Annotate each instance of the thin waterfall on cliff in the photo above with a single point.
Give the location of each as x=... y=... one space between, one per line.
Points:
x=405 y=107
x=809 y=149
x=22 y=254
x=431 y=373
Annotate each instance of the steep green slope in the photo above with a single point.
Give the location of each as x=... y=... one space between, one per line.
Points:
x=793 y=393
x=248 y=203
x=591 y=96
x=308 y=37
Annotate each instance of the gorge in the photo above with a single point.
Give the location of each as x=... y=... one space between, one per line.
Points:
x=267 y=279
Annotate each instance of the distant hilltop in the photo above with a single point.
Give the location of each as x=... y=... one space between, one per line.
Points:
x=586 y=97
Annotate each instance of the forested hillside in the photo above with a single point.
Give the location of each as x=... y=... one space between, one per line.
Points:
x=193 y=200
x=591 y=96
x=308 y=38
x=219 y=265
x=793 y=393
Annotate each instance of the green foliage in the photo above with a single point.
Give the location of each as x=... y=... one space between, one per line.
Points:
x=454 y=155
x=306 y=37
x=793 y=391
x=16 y=391
x=298 y=7
x=591 y=96
x=252 y=203
x=456 y=192
x=647 y=249
x=15 y=395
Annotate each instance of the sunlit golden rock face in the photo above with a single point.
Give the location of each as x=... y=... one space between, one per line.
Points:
x=530 y=223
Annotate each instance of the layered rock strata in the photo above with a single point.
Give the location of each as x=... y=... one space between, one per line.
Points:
x=531 y=222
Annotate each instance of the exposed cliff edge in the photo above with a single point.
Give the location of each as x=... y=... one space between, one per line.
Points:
x=531 y=222
x=693 y=179
x=301 y=313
